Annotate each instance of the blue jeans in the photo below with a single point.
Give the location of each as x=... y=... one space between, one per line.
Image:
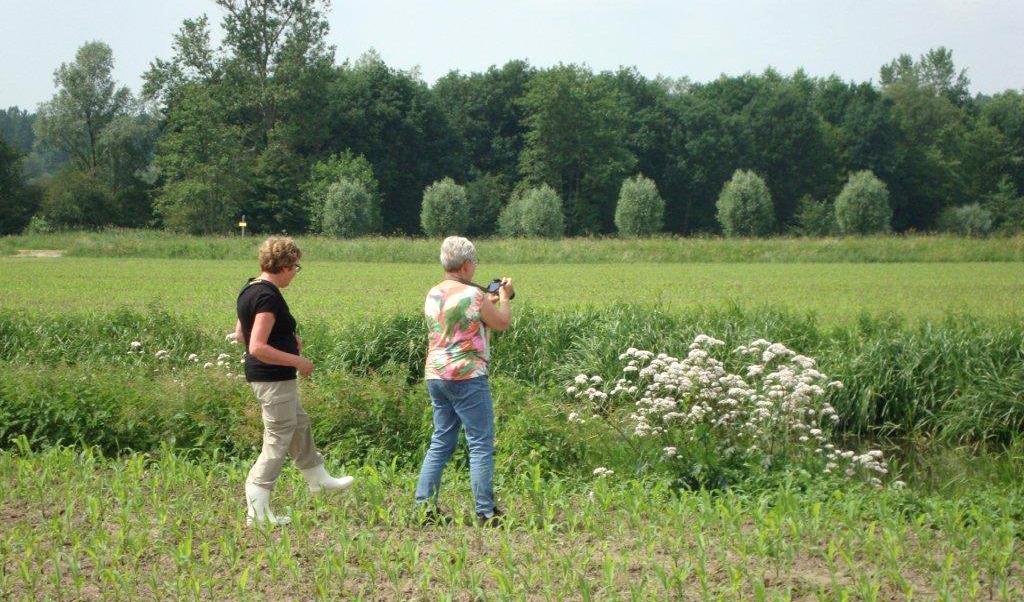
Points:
x=461 y=403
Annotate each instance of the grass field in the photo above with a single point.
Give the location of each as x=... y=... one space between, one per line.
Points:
x=924 y=332
x=339 y=292
x=666 y=249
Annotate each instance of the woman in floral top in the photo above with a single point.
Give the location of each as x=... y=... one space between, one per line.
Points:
x=459 y=316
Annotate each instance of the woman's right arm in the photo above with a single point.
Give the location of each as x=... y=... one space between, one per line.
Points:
x=259 y=349
x=498 y=316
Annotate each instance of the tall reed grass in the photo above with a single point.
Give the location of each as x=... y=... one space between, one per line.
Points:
x=961 y=379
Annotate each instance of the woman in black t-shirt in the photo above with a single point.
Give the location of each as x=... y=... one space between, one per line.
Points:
x=272 y=358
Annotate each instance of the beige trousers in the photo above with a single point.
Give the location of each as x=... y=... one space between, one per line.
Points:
x=286 y=432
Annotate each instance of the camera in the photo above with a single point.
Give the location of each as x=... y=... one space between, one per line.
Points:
x=494 y=285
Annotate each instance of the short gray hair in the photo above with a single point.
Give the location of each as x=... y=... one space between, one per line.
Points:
x=455 y=251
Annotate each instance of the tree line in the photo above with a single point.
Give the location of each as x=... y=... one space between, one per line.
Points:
x=269 y=126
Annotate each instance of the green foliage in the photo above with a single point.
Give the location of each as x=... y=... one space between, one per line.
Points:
x=272 y=202
x=76 y=199
x=486 y=196
x=203 y=164
x=349 y=210
x=641 y=210
x=510 y=220
x=536 y=213
x=485 y=113
x=242 y=117
x=270 y=101
x=1006 y=208
x=332 y=170
x=201 y=204
x=390 y=117
x=86 y=103
x=929 y=108
x=39 y=225
x=966 y=220
x=863 y=205
x=815 y=218
x=745 y=206
x=446 y=209
x=16 y=129
x=577 y=127
x=17 y=201
x=100 y=128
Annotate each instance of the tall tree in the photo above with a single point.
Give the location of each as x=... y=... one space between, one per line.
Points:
x=927 y=98
x=860 y=129
x=576 y=142
x=256 y=98
x=16 y=129
x=652 y=123
x=484 y=111
x=390 y=117
x=787 y=142
x=87 y=101
x=1005 y=113
x=109 y=141
x=17 y=201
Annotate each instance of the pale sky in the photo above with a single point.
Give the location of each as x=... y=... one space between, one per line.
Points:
x=697 y=39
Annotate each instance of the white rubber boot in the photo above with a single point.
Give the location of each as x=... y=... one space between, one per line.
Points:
x=318 y=478
x=258 y=503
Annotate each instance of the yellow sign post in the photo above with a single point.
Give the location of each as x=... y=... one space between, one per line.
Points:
x=242 y=225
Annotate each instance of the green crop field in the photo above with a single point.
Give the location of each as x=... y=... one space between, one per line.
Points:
x=338 y=292
x=121 y=473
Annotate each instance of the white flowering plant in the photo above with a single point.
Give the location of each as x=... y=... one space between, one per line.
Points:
x=712 y=425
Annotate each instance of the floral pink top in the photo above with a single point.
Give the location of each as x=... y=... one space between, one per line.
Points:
x=457 y=346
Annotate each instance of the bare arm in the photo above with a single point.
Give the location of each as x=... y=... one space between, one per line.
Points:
x=498 y=316
x=259 y=349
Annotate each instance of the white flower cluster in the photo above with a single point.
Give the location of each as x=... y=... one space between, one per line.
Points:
x=223 y=359
x=601 y=471
x=775 y=405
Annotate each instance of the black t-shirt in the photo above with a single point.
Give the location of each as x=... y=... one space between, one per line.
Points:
x=260 y=296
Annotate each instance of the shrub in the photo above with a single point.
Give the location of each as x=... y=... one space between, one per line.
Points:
x=966 y=220
x=641 y=210
x=349 y=210
x=1006 y=208
x=510 y=220
x=77 y=199
x=445 y=209
x=815 y=218
x=344 y=166
x=536 y=213
x=745 y=206
x=197 y=205
x=39 y=225
x=862 y=207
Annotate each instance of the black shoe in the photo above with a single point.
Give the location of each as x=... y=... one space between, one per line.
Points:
x=482 y=520
x=434 y=516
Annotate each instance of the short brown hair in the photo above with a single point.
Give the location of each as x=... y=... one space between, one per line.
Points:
x=278 y=253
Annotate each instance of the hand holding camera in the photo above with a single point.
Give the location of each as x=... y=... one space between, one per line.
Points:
x=502 y=287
